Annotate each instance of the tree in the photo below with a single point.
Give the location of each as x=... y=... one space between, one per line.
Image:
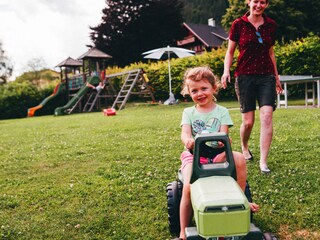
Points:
x=236 y=9
x=295 y=18
x=34 y=68
x=129 y=28
x=199 y=11
x=35 y=65
x=6 y=67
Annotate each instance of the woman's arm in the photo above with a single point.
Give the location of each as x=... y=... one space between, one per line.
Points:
x=228 y=59
x=273 y=59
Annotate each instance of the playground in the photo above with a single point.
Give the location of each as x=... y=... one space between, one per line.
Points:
x=86 y=87
x=86 y=176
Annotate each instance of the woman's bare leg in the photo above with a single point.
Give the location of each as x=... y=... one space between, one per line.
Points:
x=245 y=132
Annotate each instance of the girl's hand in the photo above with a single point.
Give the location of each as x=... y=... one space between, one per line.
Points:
x=190 y=143
x=220 y=144
x=254 y=207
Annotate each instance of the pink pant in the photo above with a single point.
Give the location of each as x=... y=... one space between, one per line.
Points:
x=186 y=158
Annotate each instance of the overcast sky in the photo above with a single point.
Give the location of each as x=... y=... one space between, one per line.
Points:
x=48 y=29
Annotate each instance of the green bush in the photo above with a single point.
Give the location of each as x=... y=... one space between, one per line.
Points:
x=16 y=98
x=157 y=71
x=300 y=57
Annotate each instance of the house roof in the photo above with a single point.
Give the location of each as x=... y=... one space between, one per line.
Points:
x=210 y=36
x=70 y=62
x=94 y=53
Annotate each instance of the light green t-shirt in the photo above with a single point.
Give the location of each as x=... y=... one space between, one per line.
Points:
x=206 y=122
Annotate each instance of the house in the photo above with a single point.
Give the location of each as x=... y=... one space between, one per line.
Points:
x=201 y=37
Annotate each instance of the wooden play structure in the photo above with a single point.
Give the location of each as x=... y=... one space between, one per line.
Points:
x=83 y=93
x=80 y=97
x=82 y=81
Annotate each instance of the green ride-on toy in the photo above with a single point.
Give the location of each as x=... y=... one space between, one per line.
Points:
x=220 y=208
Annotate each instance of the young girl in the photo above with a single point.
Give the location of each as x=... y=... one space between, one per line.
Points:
x=206 y=116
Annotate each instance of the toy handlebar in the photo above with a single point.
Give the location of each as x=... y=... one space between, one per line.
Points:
x=226 y=168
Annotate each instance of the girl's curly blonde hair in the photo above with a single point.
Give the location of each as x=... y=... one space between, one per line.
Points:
x=197 y=74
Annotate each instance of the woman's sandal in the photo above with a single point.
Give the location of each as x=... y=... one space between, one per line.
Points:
x=270 y=236
x=250 y=158
x=265 y=170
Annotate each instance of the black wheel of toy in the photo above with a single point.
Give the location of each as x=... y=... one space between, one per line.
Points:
x=174 y=192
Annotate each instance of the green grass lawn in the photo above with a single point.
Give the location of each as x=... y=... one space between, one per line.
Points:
x=87 y=176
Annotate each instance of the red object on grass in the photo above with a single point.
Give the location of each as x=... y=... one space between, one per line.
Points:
x=109 y=112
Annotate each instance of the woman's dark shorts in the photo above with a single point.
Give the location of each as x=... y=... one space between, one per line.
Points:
x=250 y=88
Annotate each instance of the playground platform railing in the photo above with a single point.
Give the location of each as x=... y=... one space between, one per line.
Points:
x=75 y=82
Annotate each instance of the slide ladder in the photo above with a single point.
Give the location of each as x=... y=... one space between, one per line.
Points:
x=92 y=100
x=134 y=83
x=108 y=92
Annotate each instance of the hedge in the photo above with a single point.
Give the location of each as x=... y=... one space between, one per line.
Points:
x=16 y=98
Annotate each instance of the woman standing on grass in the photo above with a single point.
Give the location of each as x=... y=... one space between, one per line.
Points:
x=256 y=75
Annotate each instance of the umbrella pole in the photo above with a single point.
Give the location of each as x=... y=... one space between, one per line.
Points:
x=171 y=99
x=170 y=90
x=158 y=53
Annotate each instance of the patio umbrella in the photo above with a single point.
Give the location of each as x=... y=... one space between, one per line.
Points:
x=168 y=52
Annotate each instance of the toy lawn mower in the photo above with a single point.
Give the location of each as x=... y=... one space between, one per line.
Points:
x=220 y=208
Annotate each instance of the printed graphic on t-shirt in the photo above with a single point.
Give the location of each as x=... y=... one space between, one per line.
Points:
x=212 y=125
